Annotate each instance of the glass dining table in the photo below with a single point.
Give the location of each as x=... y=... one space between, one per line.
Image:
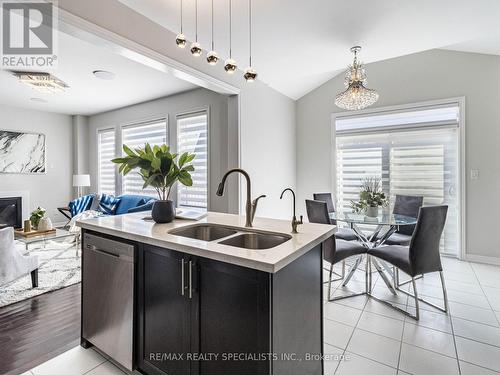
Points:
x=377 y=237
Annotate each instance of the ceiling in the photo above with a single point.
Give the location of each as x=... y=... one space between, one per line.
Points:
x=298 y=45
x=133 y=83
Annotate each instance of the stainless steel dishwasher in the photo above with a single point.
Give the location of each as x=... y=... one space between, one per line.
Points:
x=108 y=297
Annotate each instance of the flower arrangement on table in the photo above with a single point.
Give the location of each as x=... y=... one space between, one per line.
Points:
x=371 y=197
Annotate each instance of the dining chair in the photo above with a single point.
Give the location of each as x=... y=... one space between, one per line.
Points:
x=342 y=233
x=407 y=205
x=335 y=250
x=420 y=257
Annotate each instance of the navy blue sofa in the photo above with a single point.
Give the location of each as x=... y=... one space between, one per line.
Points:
x=122 y=204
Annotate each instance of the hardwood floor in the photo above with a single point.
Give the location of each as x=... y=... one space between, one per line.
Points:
x=38 y=329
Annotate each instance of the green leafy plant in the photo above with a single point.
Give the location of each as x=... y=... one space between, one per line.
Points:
x=36 y=215
x=371 y=195
x=158 y=167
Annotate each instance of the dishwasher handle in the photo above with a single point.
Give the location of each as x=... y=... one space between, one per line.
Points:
x=109 y=253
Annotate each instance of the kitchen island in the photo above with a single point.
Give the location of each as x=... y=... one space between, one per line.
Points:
x=204 y=297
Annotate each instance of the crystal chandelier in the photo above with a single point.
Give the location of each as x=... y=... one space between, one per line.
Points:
x=356 y=96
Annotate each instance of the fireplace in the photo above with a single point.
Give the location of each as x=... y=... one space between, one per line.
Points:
x=11 y=212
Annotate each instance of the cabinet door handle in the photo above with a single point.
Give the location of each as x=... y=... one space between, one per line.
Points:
x=182 y=276
x=190 y=279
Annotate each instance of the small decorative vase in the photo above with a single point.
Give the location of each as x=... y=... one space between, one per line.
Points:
x=372 y=212
x=45 y=224
x=163 y=211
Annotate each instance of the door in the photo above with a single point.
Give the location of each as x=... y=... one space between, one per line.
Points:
x=164 y=316
x=233 y=318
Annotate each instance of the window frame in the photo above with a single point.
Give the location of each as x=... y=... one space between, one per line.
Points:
x=461 y=201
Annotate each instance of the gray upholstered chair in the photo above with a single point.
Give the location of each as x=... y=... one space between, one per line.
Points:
x=420 y=257
x=342 y=233
x=406 y=205
x=334 y=250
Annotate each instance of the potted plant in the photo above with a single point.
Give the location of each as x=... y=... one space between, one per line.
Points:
x=159 y=169
x=371 y=197
x=36 y=216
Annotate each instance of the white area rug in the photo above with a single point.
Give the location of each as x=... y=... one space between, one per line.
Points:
x=60 y=266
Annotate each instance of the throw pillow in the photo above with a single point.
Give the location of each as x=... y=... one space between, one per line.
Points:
x=108 y=204
x=96 y=199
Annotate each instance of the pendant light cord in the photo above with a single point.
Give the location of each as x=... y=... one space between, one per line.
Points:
x=212 y=25
x=250 y=28
x=230 y=27
x=181 y=16
x=196 y=19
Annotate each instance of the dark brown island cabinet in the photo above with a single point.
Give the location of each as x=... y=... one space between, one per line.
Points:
x=158 y=311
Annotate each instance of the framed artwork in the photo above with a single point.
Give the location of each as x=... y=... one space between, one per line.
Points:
x=22 y=152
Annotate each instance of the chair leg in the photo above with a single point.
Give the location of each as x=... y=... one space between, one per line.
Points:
x=330 y=281
x=34 y=278
x=415 y=293
x=351 y=272
x=445 y=293
x=353 y=269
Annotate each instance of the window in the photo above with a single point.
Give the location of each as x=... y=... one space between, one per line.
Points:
x=135 y=136
x=106 y=169
x=413 y=152
x=192 y=136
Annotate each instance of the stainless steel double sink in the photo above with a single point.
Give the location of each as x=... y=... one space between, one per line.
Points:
x=237 y=237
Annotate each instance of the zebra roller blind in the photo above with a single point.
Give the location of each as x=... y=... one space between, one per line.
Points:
x=106 y=152
x=135 y=136
x=192 y=136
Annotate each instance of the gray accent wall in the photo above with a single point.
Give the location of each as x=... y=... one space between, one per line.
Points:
x=430 y=75
x=53 y=188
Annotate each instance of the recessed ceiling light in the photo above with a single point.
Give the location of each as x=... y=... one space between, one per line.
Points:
x=38 y=100
x=103 y=74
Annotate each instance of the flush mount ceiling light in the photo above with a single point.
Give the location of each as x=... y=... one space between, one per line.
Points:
x=230 y=65
x=250 y=72
x=356 y=96
x=41 y=82
x=212 y=56
x=180 y=39
x=38 y=100
x=196 y=47
x=103 y=74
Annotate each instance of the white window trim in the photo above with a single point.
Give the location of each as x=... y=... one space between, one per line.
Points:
x=462 y=240
x=209 y=145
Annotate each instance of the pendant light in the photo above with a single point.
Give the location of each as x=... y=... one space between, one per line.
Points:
x=356 y=96
x=230 y=64
x=250 y=73
x=180 y=39
x=195 y=46
x=212 y=56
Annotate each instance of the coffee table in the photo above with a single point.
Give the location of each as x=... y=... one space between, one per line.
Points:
x=59 y=234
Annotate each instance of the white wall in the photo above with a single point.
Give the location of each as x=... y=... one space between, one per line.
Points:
x=435 y=74
x=267 y=118
x=169 y=107
x=52 y=189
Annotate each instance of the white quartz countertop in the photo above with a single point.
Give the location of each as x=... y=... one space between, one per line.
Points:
x=133 y=227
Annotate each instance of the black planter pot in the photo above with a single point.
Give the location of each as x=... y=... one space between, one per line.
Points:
x=163 y=211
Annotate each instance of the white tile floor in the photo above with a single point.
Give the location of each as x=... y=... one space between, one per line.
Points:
x=374 y=339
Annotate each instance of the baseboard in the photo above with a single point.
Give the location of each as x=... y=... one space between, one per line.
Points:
x=482 y=259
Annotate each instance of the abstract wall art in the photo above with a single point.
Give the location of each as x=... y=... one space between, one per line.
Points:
x=22 y=152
